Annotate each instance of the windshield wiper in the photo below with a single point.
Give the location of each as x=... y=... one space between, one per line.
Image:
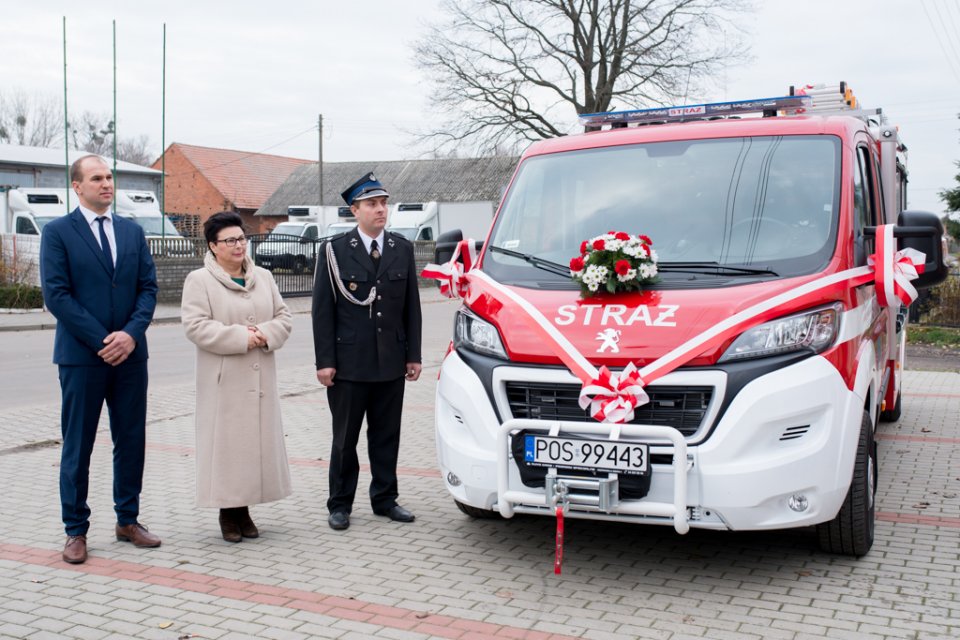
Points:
x=542 y=263
x=713 y=268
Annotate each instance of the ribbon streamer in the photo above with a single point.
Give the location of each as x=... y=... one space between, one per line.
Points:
x=558 y=546
x=612 y=397
x=895 y=269
x=452 y=274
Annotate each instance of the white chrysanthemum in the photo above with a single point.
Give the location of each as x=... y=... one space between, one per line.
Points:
x=653 y=255
x=613 y=245
x=596 y=272
x=593 y=286
x=635 y=250
x=647 y=271
x=628 y=276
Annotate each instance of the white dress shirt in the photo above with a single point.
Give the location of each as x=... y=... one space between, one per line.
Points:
x=367 y=240
x=91 y=218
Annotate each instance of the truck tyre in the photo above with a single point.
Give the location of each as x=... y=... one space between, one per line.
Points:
x=476 y=512
x=851 y=532
x=892 y=415
x=299 y=262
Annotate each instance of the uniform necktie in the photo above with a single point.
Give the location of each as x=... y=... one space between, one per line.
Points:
x=104 y=242
x=375 y=253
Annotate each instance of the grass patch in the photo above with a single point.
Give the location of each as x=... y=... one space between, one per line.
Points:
x=946 y=337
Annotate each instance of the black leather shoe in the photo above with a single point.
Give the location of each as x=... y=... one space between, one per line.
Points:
x=398 y=514
x=339 y=520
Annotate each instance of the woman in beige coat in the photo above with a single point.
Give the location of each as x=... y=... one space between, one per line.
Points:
x=233 y=312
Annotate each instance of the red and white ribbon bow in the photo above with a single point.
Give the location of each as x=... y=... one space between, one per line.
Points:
x=895 y=269
x=453 y=274
x=612 y=397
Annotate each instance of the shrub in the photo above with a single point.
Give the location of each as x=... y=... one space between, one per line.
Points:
x=943 y=304
x=20 y=296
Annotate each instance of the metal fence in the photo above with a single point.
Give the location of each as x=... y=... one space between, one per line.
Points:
x=291 y=259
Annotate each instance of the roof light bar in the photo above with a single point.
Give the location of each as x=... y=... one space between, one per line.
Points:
x=697 y=111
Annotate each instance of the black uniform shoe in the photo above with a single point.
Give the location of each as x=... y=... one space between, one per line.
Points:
x=398 y=514
x=339 y=520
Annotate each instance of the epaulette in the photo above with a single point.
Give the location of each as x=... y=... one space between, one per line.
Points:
x=335 y=237
x=398 y=236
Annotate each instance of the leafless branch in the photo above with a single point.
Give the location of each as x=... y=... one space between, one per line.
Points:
x=506 y=72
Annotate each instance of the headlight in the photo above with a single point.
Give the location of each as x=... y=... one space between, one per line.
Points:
x=470 y=332
x=815 y=330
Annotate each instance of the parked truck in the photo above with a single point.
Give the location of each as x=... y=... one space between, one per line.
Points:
x=29 y=209
x=755 y=368
x=427 y=220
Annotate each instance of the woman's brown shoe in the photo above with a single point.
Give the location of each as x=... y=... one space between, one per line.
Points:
x=229 y=526
x=247 y=528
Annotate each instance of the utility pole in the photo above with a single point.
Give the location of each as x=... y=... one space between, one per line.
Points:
x=320 y=163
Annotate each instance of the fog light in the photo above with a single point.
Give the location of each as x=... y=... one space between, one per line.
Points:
x=453 y=479
x=798 y=502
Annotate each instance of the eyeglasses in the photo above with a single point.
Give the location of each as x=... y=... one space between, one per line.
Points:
x=232 y=242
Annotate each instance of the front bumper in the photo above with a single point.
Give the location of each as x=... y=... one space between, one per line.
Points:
x=790 y=432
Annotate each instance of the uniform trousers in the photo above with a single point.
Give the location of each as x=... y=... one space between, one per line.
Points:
x=84 y=389
x=381 y=403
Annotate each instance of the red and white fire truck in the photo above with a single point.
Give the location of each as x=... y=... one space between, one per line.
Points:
x=765 y=352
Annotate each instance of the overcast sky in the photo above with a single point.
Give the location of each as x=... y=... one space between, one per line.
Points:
x=254 y=76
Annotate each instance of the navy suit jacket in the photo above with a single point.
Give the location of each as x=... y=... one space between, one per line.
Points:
x=87 y=302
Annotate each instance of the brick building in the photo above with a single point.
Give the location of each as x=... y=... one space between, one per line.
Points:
x=203 y=180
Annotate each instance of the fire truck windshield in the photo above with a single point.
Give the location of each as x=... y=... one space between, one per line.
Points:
x=761 y=203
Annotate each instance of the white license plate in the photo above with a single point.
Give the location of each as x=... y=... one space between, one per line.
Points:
x=600 y=455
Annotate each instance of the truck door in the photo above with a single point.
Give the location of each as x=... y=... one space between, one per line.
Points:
x=866 y=198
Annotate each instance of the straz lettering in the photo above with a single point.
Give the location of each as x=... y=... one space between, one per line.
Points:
x=688 y=111
x=616 y=315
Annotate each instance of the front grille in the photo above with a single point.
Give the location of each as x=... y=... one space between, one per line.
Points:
x=682 y=408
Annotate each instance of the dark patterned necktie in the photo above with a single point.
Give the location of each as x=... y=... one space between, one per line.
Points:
x=105 y=243
x=375 y=253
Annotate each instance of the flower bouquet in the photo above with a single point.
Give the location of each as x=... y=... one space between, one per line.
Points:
x=614 y=262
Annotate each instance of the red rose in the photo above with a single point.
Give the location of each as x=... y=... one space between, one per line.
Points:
x=598 y=245
x=620 y=235
x=645 y=239
x=576 y=264
x=622 y=267
x=583 y=247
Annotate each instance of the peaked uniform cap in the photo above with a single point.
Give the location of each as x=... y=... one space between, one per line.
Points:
x=366 y=187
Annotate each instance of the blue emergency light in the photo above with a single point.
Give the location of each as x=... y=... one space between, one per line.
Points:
x=683 y=113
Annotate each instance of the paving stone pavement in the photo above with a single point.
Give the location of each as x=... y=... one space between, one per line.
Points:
x=447 y=576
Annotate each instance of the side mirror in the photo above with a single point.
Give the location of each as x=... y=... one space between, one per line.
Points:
x=446 y=245
x=923 y=231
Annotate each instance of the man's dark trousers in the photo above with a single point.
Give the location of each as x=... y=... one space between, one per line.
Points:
x=382 y=402
x=84 y=389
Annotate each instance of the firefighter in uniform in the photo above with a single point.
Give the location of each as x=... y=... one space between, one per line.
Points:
x=366 y=335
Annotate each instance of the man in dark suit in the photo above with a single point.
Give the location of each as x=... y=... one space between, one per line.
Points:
x=100 y=283
x=366 y=334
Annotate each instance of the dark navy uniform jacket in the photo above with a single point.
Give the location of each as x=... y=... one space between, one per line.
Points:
x=367 y=344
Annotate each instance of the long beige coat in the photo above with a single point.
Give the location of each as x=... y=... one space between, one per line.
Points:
x=241 y=457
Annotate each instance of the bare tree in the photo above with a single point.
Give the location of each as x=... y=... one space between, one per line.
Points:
x=92 y=132
x=33 y=120
x=512 y=71
x=36 y=120
x=136 y=150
